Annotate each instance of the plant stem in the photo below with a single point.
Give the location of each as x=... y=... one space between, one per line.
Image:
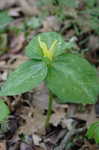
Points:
x=50 y=103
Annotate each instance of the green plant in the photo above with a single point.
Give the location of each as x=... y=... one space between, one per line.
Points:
x=3 y=43
x=5 y=19
x=33 y=23
x=4 y=114
x=4 y=111
x=67 y=75
x=91 y=14
x=93 y=132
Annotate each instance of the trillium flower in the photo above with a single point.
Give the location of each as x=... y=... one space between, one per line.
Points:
x=67 y=75
x=47 y=52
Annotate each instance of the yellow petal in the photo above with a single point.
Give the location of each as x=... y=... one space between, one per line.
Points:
x=43 y=46
x=53 y=45
x=47 y=52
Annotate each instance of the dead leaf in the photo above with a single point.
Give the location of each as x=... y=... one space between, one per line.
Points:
x=34 y=121
x=3 y=75
x=15 y=12
x=93 y=43
x=41 y=97
x=3 y=145
x=59 y=114
x=24 y=146
x=29 y=7
x=90 y=116
x=51 y=23
x=6 y=4
x=17 y=43
x=36 y=139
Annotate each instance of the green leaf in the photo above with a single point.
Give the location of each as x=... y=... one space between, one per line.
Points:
x=73 y=80
x=4 y=111
x=28 y=76
x=69 y=3
x=33 y=49
x=44 y=3
x=3 y=43
x=93 y=132
x=33 y=23
x=90 y=3
x=5 y=19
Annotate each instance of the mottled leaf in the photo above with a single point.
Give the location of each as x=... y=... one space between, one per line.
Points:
x=73 y=80
x=28 y=76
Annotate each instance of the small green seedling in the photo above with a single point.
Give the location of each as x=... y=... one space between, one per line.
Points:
x=93 y=132
x=4 y=111
x=5 y=19
x=70 y=77
x=4 y=114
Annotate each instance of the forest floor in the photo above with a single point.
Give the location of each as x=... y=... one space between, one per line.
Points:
x=28 y=111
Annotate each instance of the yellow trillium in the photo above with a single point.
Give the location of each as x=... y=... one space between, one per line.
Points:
x=47 y=52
